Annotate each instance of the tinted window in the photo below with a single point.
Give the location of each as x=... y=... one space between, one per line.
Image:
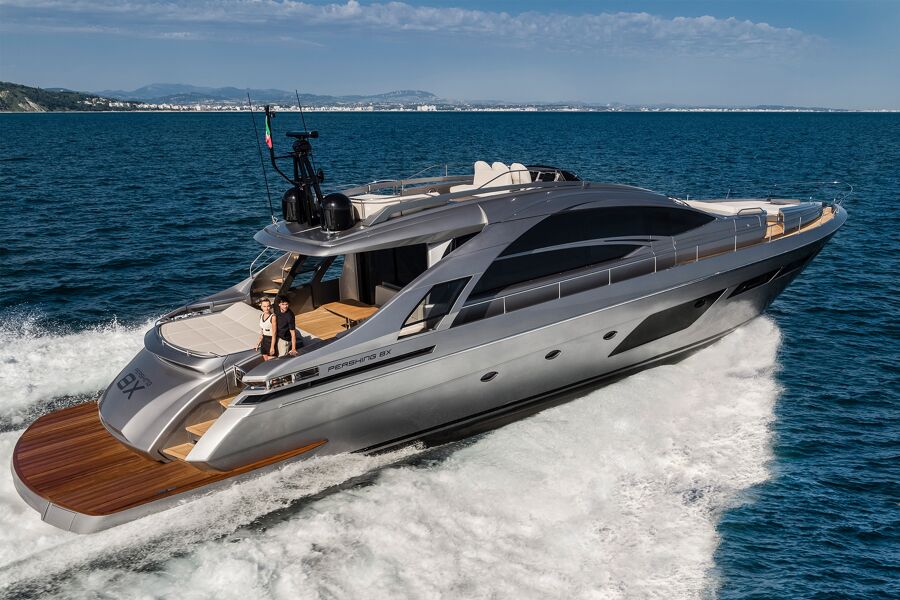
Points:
x=598 y=223
x=433 y=307
x=505 y=272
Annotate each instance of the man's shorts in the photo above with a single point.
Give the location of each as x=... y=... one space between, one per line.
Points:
x=284 y=347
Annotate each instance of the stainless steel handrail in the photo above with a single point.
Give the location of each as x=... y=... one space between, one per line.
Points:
x=266 y=250
x=428 y=168
x=401 y=184
x=674 y=253
x=788 y=191
x=838 y=199
x=187 y=351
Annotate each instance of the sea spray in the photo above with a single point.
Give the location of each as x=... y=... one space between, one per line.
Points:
x=613 y=495
x=38 y=559
x=42 y=368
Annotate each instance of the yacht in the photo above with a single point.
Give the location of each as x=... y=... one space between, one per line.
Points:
x=426 y=308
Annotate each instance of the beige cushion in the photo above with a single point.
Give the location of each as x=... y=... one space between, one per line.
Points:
x=519 y=173
x=384 y=292
x=733 y=208
x=483 y=173
x=505 y=177
x=233 y=330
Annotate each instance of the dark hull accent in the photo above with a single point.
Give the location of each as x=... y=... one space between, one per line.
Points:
x=377 y=365
x=666 y=322
x=754 y=283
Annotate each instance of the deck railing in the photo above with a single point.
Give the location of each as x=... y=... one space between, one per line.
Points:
x=684 y=252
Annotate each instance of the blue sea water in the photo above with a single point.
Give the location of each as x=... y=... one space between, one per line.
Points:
x=109 y=220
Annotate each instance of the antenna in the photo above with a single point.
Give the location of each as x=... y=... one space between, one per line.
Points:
x=305 y=128
x=300 y=106
x=262 y=163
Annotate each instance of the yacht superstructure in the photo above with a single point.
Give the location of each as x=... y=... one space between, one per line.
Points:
x=425 y=306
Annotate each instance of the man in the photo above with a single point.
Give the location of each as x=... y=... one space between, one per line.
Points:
x=285 y=329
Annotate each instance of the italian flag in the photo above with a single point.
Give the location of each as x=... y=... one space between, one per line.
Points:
x=268 y=134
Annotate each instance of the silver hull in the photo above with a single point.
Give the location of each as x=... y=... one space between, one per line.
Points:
x=542 y=354
x=374 y=390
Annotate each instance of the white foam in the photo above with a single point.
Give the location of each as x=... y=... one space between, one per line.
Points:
x=32 y=550
x=37 y=365
x=614 y=495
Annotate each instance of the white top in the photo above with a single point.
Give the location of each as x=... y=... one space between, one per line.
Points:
x=265 y=325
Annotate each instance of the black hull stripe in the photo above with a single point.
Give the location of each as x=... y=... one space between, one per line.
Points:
x=257 y=399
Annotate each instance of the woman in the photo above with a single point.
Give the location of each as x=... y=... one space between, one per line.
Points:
x=265 y=345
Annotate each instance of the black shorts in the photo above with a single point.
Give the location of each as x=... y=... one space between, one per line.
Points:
x=266 y=346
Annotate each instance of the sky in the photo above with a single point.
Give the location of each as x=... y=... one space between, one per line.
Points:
x=830 y=53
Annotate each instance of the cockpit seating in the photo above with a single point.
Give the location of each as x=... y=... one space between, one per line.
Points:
x=495 y=175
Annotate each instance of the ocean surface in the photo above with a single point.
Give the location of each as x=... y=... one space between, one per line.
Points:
x=765 y=466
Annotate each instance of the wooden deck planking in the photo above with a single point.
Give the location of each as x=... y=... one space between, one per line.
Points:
x=321 y=323
x=68 y=458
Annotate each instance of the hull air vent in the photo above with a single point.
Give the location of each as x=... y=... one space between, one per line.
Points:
x=666 y=322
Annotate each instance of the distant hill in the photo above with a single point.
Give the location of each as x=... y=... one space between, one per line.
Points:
x=180 y=93
x=21 y=98
x=183 y=97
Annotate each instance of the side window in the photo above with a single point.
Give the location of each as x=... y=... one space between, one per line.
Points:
x=434 y=306
x=598 y=223
x=508 y=271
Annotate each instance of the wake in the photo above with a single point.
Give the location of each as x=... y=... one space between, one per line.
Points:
x=614 y=495
x=42 y=369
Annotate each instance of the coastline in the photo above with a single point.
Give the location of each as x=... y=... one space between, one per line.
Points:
x=473 y=110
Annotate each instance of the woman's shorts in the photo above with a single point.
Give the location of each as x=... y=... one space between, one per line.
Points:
x=266 y=346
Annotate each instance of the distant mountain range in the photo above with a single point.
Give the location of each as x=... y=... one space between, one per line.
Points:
x=179 y=93
x=182 y=97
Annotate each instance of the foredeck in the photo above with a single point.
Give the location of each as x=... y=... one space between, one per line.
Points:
x=68 y=458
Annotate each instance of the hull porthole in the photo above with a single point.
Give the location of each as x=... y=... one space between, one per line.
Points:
x=609 y=335
x=488 y=376
x=553 y=354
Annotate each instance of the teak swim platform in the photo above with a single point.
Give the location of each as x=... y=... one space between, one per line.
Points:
x=72 y=462
x=425 y=308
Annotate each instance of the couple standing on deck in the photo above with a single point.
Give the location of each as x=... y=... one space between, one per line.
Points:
x=282 y=323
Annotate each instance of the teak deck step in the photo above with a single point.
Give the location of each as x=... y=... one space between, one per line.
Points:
x=278 y=280
x=226 y=402
x=180 y=451
x=68 y=458
x=199 y=429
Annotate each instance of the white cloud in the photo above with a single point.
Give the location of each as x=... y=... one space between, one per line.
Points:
x=620 y=32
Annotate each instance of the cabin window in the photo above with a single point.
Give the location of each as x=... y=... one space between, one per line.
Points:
x=436 y=304
x=573 y=226
x=513 y=270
